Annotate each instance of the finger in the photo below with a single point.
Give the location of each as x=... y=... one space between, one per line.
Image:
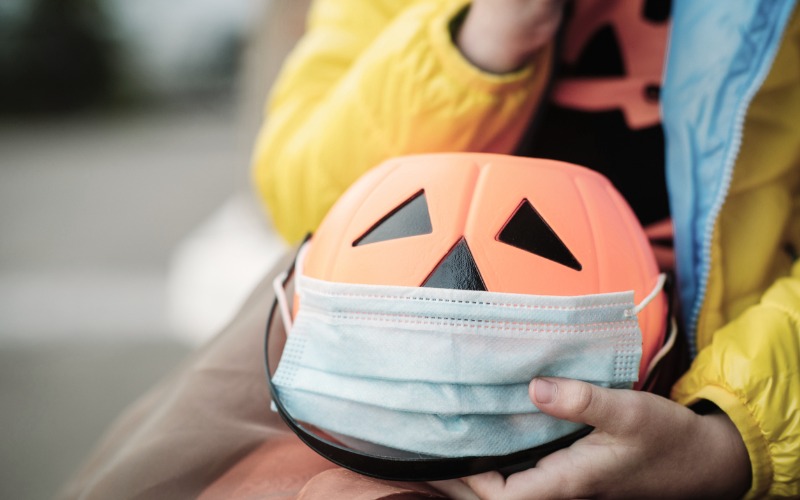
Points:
x=611 y=410
x=665 y=257
x=661 y=230
x=530 y=484
x=487 y=485
x=455 y=489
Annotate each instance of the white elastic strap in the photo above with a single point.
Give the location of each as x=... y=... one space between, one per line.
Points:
x=283 y=302
x=673 y=335
x=280 y=290
x=662 y=279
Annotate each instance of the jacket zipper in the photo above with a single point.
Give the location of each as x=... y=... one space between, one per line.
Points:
x=722 y=195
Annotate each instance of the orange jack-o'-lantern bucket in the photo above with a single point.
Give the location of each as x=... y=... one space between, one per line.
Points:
x=479 y=225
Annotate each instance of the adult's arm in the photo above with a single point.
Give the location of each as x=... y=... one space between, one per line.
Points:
x=751 y=370
x=373 y=79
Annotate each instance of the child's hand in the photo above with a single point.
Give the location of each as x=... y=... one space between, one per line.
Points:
x=643 y=446
x=502 y=35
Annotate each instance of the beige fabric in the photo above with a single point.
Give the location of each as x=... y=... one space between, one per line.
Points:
x=194 y=425
x=207 y=431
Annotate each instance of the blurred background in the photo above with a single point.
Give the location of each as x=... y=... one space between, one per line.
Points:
x=129 y=233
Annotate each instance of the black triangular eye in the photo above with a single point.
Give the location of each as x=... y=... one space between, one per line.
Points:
x=527 y=230
x=411 y=218
x=457 y=270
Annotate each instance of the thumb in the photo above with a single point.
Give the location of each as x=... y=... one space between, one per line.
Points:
x=580 y=402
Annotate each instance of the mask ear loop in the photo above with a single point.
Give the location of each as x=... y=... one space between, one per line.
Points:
x=664 y=283
x=279 y=286
x=665 y=349
x=659 y=286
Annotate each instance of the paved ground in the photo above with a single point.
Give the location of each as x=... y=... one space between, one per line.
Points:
x=91 y=209
x=57 y=399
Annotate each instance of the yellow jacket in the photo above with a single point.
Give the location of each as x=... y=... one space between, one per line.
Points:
x=378 y=78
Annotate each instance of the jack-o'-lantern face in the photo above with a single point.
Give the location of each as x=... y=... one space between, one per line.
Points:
x=489 y=222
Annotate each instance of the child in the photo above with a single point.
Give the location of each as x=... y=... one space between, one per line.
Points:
x=375 y=79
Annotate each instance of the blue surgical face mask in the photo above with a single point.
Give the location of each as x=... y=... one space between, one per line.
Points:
x=445 y=372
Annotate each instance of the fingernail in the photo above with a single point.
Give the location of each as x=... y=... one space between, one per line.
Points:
x=544 y=391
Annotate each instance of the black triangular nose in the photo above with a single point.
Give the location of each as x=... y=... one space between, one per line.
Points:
x=456 y=270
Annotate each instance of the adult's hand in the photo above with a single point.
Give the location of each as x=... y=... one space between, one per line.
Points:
x=500 y=36
x=643 y=446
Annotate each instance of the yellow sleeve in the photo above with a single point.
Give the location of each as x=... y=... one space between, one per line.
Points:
x=751 y=370
x=373 y=79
